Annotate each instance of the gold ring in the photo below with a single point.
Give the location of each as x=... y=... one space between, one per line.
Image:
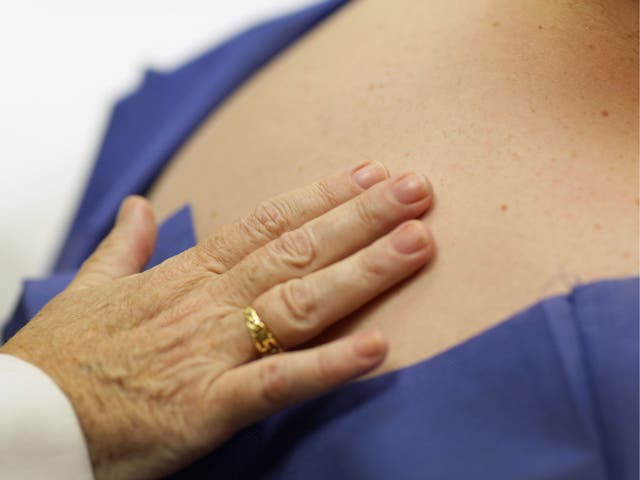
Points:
x=263 y=339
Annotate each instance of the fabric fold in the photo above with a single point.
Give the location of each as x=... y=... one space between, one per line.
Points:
x=549 y=393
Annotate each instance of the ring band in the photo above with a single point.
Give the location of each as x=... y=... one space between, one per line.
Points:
x=263 y=339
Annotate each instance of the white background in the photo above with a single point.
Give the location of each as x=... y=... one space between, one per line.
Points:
x=62 y=65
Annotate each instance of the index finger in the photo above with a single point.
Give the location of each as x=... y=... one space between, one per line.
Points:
x=288 y=211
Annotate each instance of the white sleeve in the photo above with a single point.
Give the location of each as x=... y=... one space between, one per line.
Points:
x=40 y=435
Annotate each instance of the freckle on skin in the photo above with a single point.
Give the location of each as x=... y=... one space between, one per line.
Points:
x=626 y=254
x=539 y=27
x=597 y=226
x=605 y=113
x=496 y=24
x=504 y=207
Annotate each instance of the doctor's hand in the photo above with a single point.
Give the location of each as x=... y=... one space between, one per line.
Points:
x=161 y=366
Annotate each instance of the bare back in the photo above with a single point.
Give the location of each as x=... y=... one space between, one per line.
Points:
x=522 y=113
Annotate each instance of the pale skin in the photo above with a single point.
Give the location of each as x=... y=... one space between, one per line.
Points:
x=159 y=366
x=522 y=112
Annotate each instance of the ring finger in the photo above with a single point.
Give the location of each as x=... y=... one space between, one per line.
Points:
x=299 y=309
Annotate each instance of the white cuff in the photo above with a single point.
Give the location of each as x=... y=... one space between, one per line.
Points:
x=40 y=436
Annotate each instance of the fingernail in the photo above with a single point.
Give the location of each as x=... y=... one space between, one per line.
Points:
x=410 y=188
x=369 y=174
x=370 y=343
x=410 y=237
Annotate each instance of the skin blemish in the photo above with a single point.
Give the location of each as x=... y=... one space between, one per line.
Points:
x=626 y=254
x=597 y=226
x=495 y=24
x=504 y=207
x=604 y=113
x=539 y=27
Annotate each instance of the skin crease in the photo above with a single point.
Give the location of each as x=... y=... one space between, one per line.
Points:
x=158 y=365
x=522 y=113
x=534 y=157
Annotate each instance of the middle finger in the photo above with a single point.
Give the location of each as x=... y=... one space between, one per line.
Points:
x=330 y=237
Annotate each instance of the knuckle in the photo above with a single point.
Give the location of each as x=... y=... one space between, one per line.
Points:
x=370 y=218
x=296 y=247
x=299 y=301
x=326 y=193
x=274 y=382
x=206 y=252
x=270 y=219
x=371 y=266
x=214 y=253
x=168 y=286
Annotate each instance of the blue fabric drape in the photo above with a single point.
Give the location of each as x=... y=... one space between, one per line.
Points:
x=550 y=393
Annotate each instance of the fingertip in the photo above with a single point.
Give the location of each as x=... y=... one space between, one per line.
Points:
x=132 y=206
x=370 y=344
x=125 y=210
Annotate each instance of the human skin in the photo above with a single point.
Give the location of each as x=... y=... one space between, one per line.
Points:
x=159 y=366
x=524 y=114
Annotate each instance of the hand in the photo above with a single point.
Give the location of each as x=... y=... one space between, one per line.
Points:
x=159 y=365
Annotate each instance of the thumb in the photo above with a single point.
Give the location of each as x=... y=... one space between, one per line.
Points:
x=127 y=248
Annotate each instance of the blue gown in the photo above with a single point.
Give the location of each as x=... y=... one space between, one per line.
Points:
x=550 y=393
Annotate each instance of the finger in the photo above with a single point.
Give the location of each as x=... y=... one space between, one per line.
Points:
x=127 y=248
x=330 y=237
x=285 y=212
x=257 y=389
x=300 y=309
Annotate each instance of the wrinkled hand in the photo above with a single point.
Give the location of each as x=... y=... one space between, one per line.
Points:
x=159 y=365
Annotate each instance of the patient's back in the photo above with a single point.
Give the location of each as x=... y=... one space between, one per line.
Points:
x=524 y=119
